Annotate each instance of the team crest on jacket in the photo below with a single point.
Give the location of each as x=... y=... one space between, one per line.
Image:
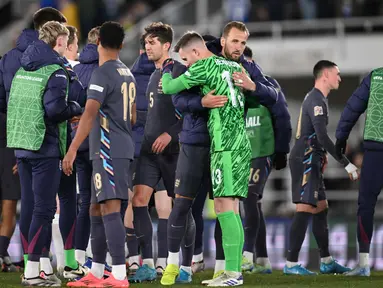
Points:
x=318 y=110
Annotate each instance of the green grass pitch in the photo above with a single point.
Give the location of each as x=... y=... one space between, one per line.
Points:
x=277 y=279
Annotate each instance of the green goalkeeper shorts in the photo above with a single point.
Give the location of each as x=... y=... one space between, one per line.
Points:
x=230 y=173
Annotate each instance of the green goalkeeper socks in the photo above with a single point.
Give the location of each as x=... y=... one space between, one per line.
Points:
x=241 y=241
x=230 y=239
x=25 y=262
x=70 y=259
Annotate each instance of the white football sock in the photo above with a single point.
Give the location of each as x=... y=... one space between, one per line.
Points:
x=119 y=271
x=197 y=258
x=219 y=265
x=45 y=265
x=80 y=256
x=326 y=260
x=248 y=255
x=32 y=269
x=173 y=258
x=364 y=259
x=58 y=242
x=291 y=264
x=149 y=262
x=98 y=270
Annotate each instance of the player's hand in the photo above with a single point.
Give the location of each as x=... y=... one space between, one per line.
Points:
x=167 y=66
x=352 y=171
x=161 y=142
x=340 y=147
x=75 y=119
x=213 y=101
x=242 y=80
x=324 y=163
x=280 y=161
x=68 y=161
x=14 y=170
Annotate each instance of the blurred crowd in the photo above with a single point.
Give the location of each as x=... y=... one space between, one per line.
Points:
x=278 y=10
x=85 y=14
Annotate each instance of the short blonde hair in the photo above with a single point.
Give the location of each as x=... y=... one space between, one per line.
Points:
x=51 y=31
x=94 y=35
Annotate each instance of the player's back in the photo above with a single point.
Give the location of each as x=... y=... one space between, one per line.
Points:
x=226 y=124
x=114 y=86
x=314 y=105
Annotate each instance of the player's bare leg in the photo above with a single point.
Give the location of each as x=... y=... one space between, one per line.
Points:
x=131 y=239
x=163 y=205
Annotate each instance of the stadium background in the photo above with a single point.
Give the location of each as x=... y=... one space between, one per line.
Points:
x=287 y=37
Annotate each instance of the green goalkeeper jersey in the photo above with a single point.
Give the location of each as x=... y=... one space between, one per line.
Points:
x=226 y=125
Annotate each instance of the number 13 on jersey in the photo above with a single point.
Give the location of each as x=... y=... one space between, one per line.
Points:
x=129 y=94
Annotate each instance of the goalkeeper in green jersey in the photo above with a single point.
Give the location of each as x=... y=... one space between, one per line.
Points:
x=230 y=147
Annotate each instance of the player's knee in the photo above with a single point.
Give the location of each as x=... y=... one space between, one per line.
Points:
x=305 y=208
x=111 y=206
x=95 y=210
x=140 y=200
x=141 y=197
x=321 y=206
x=223 y=205
x=8 y=214
x=163 y=212
x=183 y=206
x=366 y=203
x=8 y=208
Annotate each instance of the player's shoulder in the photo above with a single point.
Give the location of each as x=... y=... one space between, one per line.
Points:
x=178 y=69
x=313 y=98
x=115 y=67
x=222 y=62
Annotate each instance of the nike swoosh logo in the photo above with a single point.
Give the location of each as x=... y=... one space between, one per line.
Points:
x=176 y=226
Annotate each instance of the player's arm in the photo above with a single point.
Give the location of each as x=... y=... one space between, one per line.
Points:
x=56 y=106
x=318 y=116
x=97 y=91
x=175 y=129
x=196 y=75
x=133 y=120
x=86 y=123
x=355 y=106
x=256 y=84
x=282 y=127
x=186 y=101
